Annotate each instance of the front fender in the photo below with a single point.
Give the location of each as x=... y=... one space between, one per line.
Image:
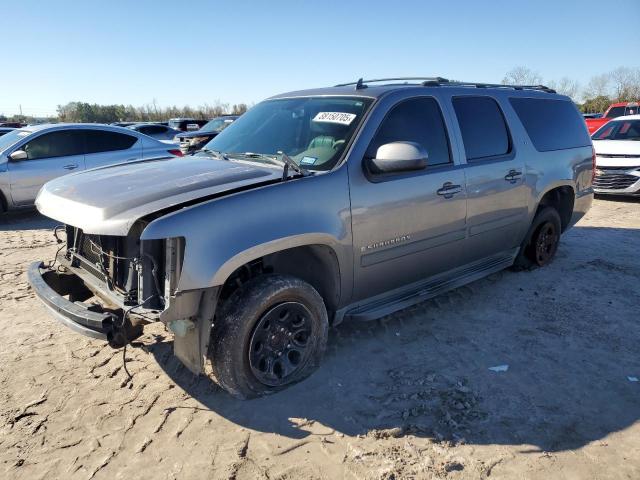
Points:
x=225 y=233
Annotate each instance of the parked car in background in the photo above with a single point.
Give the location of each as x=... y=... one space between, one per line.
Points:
x=4 y=130
x=31 y=156
x=591 y=115
x=615 y=110
x=186 y=124
x=193 y=141
x=12 y=124
x=155 y=130
x=617 y=146
x=347 y=202
x=122 y=124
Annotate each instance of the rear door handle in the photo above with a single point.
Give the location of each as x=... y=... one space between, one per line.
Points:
x=512 y=176
x=70 y=167
x=448 y=190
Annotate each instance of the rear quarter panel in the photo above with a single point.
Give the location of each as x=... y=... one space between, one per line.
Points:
x=559 y=168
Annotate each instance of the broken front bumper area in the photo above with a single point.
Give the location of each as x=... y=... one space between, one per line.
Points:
x=63 y=293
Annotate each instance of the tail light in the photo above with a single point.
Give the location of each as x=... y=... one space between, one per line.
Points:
x=178 y=153
x=593 y=164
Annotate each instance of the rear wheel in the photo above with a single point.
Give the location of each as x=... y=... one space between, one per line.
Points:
x=542 y=240
x=270 y=333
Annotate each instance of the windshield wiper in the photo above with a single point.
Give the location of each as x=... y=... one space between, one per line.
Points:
x=290 y=164
x=215 y=153
x=284 y=161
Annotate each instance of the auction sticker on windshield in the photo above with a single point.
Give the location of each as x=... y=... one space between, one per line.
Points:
x=335 y=117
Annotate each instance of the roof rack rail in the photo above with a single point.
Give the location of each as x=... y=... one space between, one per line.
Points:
x=439 y=81
x=542 y=88
x=360 y=84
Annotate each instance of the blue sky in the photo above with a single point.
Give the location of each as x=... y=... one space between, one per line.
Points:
x=196 y=52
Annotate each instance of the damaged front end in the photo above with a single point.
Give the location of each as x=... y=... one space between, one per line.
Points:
x=109 y=287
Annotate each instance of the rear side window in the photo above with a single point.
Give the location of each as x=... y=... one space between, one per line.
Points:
x=415 y=120
x=484 y=131
x=152 y=129
x=615 y=112
x=551 y=124
x=55 y=144
x=102 y=141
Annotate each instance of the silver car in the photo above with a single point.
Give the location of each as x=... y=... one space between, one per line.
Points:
x=31 y=156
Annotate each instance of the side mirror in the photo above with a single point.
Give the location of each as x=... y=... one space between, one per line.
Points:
x=399 y=157
x=18 y=155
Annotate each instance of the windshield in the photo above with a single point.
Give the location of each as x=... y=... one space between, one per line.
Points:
x=619 y=130
x=217 y=125
x=313 y=131
x=12 y=137
x=176 y=123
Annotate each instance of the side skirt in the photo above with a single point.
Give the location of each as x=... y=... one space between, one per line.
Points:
x=387 y=303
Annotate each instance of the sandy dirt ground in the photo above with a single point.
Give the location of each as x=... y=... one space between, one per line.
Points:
x=410 y=396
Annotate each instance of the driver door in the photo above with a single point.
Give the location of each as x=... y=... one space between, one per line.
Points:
x=407 y=226
x=49 y=155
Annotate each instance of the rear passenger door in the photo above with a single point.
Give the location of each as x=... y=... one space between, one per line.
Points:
x=495 y=177
x=107 y=148
x=49 y=155
x=407 y=225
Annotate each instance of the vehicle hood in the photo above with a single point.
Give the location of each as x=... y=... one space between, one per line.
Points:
x=108 y=200
x=627 y=153
x=197 y=133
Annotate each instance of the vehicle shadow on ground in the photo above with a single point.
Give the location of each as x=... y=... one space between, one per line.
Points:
x=426 y=371
x=25 y=220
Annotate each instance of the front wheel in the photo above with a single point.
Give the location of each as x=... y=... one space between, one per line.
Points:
x=270 y=333
x=542 y=240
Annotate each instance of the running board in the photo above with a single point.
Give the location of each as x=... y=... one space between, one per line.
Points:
x=449 y=281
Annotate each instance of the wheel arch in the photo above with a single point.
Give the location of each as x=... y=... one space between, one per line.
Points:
x=316 y=263
x=4 y=205
x=562 y=198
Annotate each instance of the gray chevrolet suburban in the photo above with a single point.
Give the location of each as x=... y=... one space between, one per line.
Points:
x=318 y=206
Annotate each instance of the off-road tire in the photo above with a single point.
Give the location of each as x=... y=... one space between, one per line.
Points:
x=546 y=218
x=239 y=316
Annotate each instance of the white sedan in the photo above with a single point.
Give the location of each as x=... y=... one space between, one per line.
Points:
x=617 y=146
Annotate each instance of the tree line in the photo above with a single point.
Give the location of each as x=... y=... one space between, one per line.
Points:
x=94 y=113
x=619 y=85
x=84 y=112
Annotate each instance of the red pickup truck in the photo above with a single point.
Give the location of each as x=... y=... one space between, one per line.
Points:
x=614 y=110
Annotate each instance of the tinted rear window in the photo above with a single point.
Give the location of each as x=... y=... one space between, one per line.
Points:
x=102 y=141
x=484 y=131
x=551 y=124
x=615 y=112
x=152 y=129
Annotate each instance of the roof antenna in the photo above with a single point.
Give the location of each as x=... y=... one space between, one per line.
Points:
x=360 y=85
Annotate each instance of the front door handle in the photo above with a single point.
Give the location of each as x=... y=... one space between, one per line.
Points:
x=448 y=190
x=512 y=176
x=70 y=167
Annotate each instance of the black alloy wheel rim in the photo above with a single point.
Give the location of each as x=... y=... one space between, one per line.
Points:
x=546 y=243
x=281 y=343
